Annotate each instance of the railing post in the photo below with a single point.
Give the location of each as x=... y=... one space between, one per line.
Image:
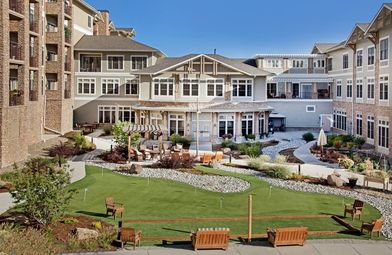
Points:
x=250 y=205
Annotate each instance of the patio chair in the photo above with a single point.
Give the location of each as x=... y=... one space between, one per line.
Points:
x=113 y=208
x=354 y=209
x=219 y=156
x=207 y=158
x=130 y=235
x=372 y=227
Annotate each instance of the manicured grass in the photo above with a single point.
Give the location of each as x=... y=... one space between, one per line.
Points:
x=163 y=199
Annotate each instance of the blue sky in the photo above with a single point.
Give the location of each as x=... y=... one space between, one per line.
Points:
x=238 y=28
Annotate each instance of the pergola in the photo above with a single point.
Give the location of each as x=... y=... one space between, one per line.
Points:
x=157 y=130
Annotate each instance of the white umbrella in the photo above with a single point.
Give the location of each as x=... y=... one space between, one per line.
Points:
x=322 y=139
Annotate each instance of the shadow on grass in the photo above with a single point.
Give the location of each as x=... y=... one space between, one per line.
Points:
x=94 y=214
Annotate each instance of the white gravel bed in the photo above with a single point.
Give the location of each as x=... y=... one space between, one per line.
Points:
x=382 y=204
x=215 y=183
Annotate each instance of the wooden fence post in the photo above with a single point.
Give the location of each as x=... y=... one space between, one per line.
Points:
x=250 y=205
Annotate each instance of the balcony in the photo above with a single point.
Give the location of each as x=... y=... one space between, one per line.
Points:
x=33 y=61
x=33 y=95
x=16 y=6
x=15 y=51
x=67 y=93
x=16 y=98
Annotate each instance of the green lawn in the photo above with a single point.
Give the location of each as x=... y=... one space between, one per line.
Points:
x=163 y=199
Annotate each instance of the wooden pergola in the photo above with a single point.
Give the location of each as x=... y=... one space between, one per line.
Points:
x=157 y=130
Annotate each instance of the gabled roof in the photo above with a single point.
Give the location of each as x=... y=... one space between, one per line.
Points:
x=357 y=33
x=112 y=43
x=372 y=24
x=323 y=47
x=165 y=64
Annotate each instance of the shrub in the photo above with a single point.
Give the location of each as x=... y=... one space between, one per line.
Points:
x=70 y=220
x=96 y=224
x=229 y=144
x=107 y=129
x=308 y=137
x=251 y=149
x=346 y=163
x=280 y=172
x=175 y=139
x=119 y=136
x=359 y=142
x=41 y=190
x=337 y=143
x=280 y=159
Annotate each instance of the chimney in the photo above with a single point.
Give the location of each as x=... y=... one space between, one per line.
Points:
x=103 y=25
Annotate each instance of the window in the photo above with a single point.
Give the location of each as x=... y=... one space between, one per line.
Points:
x=163 y=87
x=319 y=63
x=247 y=124
x=370 y=127
x=176 y=124
x=86 y=86
x=126 y=114
x=215 y=88
x=115 y=62
x=298 y=63
x=190 y=87
x=329 y=64
x=273 y=63
x=349 y=92
x=339 y=88
x=370 y=90
x=138 y=62
x=107 y=114
x=310 y=108
x=384 y=88
x=371 y=56
x=271 y=90
x=384 y=49
x=359 y=124
x=383 y=133
x=359 y=58
x=110 y=86
x=345 y=61
x=90 y=21
x=226 y=125
x=340 y=120
x=90 y=63
x=359 y=88
x=132 y=87
x=242 y=87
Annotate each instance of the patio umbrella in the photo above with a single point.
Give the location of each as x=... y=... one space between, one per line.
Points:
x=322 y=140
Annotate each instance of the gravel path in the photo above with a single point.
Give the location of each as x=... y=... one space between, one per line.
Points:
x=382 y=204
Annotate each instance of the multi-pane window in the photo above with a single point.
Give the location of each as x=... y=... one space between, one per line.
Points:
x=371 y=56
x=329 y=64
x=215 y=87
x=359 y=124
x=190 y=87
x=247 y=124
x=370 y=88
x=370 y=127
x=383 y=133
x=345 y=61
x=339 y=88
x=138 y=62
x=132 y=87
x=110 y=86
x=359 y=58
x=349 y=91
x=126 y=114
x=242 y=87
x=163 y=87
x=359 y=88
x=86 y=86
x=115 y=62
x=107 y=114
x=384 y=88
x=384 y=49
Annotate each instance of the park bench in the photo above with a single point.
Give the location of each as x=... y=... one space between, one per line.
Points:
x=287 y=236
x=209 y=238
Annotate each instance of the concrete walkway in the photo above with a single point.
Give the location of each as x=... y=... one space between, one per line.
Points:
x=312 y=247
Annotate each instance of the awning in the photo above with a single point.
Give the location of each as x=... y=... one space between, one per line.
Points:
x=152 y=129
x=277 y=116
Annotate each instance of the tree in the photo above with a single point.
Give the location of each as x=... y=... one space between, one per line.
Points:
x=40 y=189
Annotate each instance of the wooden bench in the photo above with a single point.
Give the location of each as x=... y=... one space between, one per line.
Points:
x=217 y=238
x=287 y=236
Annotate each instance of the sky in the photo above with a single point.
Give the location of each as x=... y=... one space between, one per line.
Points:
x=238 y=28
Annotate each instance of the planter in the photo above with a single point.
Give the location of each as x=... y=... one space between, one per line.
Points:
x=352 y=182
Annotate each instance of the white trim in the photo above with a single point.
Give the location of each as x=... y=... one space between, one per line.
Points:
x=107 y=62
x=82 y=29
x=143 y=56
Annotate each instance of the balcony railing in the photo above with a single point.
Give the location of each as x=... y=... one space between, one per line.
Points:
x=33 y=95
x=33 y=61
x=67 y=93
x=15 y=52
x=16 y=6
x=16 y=98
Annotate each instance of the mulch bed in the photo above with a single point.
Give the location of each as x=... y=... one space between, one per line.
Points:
x=289 y=153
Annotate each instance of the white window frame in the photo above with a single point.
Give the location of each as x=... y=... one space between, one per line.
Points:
x=159 y=81
x=128 y=82
x=192 y=82
x=116 y=56
x=308 y=106
x=339 y=83
x=138 y=56
x=246 y=88
x=215 y=83
x=104 y=82
x=90 y=81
